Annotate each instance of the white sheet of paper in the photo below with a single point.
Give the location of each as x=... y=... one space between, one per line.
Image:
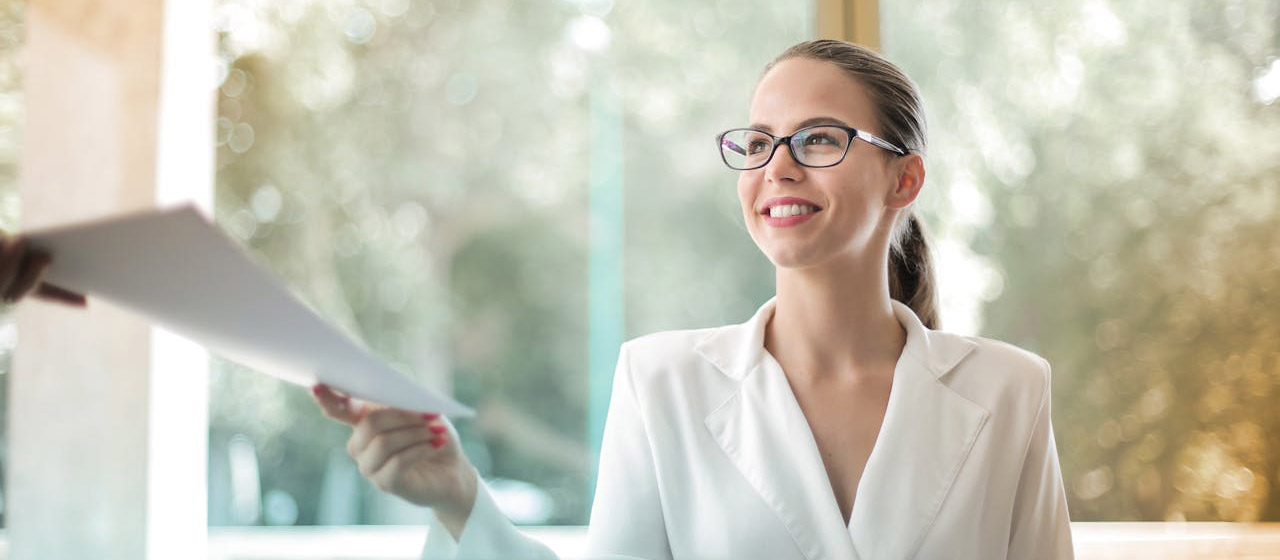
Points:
x=176 y=268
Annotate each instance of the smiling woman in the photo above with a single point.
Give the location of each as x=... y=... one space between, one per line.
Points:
x=834 y=422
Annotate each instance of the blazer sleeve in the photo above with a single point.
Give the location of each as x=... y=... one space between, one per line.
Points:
x=487 y=534
x=1041 y=526
x=626 y=515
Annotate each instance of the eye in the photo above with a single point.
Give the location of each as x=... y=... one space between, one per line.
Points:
x=757 y=146
x=819 y=139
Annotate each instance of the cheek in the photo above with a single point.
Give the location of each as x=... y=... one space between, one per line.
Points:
x=862 y=220
x=862 y=191
x=748 y=188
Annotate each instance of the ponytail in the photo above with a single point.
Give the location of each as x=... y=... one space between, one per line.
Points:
x=911 y=279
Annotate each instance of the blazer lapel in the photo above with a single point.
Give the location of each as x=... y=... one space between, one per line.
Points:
x=927 y=433
x=763 y=431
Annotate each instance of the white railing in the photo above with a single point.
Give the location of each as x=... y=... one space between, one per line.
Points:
x=1094 y=541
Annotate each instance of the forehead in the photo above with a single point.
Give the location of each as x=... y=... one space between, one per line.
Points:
x=800 y=89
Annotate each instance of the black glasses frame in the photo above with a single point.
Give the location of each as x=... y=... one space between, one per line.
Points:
x=780 y=140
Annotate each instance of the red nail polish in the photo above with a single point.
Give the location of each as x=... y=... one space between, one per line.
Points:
x=315 y=389
x=430 y=415
x=437 y=441
x=438 y=429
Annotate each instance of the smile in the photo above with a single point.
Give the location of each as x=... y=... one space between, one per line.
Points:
x=787 y=211
x=785 y=217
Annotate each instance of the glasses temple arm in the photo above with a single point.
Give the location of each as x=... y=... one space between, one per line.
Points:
x=729 y=144
x=869 y=137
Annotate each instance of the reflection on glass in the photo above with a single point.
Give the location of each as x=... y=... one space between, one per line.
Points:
x=430 y=176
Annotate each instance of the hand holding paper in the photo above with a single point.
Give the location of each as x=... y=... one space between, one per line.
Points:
x=180 y=271
x=22 y=274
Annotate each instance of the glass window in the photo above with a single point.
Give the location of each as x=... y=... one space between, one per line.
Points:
x=493 y=196
x=1106 y=190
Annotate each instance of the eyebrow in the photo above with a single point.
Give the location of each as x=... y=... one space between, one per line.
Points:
x=807 y=122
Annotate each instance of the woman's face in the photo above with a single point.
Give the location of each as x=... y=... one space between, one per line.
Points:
x=856 y=199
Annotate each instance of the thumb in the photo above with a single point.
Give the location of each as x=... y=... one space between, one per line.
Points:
x=49 y=292
x=338 y=406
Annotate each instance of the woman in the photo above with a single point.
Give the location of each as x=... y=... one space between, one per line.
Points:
x=835 y=423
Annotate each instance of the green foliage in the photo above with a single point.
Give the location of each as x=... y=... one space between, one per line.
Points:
x=420 y=172
x=1129 y=184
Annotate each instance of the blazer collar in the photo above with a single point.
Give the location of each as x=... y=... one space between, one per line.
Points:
x=927 y=433
x=736 y=349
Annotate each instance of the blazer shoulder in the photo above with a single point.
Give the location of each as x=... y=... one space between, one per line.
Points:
x=666 y=341
x=655 y=350
x=667 y=367
x=998 y=373
x=1013 y=358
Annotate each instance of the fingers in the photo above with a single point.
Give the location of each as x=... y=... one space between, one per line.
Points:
x=47 y=291
x=21 y=273
x=28 y=274
x=390 y=476
x=337 y=406
x=390 y=445
x=381 y=421
x=12 y=250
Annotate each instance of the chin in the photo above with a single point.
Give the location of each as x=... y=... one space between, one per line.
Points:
x=793 y=257
x=786 y=253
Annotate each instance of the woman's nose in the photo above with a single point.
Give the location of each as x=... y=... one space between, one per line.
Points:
x=783 y=166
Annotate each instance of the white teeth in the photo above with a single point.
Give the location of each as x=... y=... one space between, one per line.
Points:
x=784 y=211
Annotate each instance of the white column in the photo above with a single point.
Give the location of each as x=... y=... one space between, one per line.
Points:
x=108 y=416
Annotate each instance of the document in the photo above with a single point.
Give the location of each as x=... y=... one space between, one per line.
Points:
x=180 y=271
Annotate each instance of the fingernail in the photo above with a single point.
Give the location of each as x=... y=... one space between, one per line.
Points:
x=438 y=429
x=437 y=441
x=315 y=389
x=430 y=416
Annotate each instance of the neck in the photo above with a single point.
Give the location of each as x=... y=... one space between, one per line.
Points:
x=835 y=322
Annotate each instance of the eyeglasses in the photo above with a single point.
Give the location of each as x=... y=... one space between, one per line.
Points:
x=815 y=146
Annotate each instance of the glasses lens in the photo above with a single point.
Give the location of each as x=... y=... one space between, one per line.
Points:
x=743 y=148
x=820 y=146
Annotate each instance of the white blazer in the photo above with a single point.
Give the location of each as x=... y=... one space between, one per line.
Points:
x=707 y=455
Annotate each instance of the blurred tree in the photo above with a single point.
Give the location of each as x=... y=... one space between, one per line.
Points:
x=419 y=171
x=1116 y=165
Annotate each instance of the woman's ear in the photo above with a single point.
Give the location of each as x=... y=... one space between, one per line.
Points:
x=909 y=170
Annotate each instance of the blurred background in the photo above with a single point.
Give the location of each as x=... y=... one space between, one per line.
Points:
x=494 y=195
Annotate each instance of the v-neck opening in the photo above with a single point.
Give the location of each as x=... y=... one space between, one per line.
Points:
x=893 y=386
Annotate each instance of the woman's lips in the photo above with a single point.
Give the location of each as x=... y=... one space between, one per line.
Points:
x=788 y=221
